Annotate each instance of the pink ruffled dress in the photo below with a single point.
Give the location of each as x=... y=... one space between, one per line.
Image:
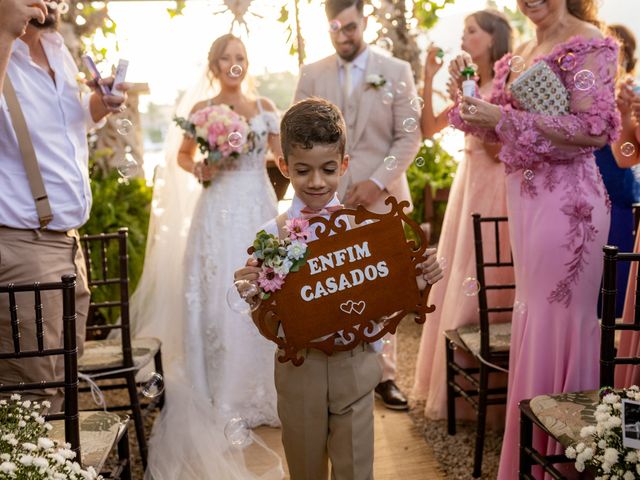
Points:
x=558 y=222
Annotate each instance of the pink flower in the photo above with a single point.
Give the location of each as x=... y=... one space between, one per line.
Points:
x=269 y=280
x=297 y=228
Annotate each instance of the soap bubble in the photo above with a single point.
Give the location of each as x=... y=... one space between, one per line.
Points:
x=410 y=125
x=567 y=62
x=390 y=162
x=243 y=297
x=420 y=162
x=472 y=109
x=334 y=26
x=387 y=97
x=627 y=149
x=236 y=71
x=153 y=386
x=385 y=43
x=470 y=287
x=584 y=80
x=519 y=307
x=237 y=432
x=417 y=104
x=124 y=126
x=528 y=175
x=63 y=8
x=401 y=87
x=128 y=167
x=517 y=64
x=235 y=139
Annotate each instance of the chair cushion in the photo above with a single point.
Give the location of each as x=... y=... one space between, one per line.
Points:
x=564 y=414
x=99 y=432
x=499 y=337
x=101 y=354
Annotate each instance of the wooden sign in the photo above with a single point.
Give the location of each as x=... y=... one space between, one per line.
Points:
x=356 y=286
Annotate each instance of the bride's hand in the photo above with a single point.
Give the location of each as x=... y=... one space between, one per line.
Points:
x=204 y=172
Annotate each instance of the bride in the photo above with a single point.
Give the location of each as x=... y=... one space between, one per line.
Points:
x=219 y=366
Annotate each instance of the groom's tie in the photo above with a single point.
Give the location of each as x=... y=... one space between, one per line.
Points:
x=347 y=82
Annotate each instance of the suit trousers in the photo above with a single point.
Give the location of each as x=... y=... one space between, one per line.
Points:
x=28 y=256
x=326 y=409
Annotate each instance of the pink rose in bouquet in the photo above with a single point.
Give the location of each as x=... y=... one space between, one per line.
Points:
x=221 y=134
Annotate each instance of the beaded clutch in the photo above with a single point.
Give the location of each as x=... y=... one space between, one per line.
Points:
x=540 y=90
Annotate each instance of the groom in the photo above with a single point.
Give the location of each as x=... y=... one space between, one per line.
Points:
x=351 y=79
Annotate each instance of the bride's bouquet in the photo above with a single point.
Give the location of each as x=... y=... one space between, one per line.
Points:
x=221 y=134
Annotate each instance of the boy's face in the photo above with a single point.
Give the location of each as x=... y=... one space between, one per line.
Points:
x=315 y=173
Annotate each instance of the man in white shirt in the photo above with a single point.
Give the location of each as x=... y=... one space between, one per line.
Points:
x=35 y=61
x=380 y=148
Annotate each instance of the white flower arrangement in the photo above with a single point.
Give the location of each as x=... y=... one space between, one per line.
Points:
x=376 y=80
x=25 y=450
x=602 y=448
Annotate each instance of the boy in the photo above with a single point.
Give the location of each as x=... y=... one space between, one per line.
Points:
x=326 y=404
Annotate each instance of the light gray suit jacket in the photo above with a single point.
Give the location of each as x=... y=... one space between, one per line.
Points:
x=374 y=130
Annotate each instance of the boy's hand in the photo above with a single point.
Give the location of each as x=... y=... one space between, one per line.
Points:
x=249 y=272
x=431 y=270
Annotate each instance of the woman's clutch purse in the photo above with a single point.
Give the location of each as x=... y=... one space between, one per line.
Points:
x=540 y=90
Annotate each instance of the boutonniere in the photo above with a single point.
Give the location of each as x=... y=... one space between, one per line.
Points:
x=376 y=80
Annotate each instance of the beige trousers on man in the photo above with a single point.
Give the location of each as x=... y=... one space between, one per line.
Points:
x=28 y=256
x=326 y=409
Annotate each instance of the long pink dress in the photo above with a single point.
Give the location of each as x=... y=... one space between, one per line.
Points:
x=478 y=187
x=627 y=375
x=559 y=220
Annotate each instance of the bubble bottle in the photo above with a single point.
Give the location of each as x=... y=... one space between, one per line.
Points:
x=469 y=85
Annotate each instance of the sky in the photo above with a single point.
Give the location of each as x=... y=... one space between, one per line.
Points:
x=170 y=53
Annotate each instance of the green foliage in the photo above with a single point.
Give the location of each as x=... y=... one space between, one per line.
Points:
x=436 y=170
x=118 y=203
x=426 y=11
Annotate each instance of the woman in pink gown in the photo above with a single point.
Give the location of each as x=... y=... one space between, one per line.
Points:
x=558 y=208
x=477 y=187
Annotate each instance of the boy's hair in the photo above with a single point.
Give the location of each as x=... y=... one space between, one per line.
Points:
x=333 y=7
x=311 y=122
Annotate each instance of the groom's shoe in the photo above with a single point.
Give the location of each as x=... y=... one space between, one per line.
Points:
x=391 y=396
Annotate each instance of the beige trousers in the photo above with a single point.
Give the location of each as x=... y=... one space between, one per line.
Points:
x=28 y=256
x=326 y=409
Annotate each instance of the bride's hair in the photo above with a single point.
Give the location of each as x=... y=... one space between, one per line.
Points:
x=217 y=50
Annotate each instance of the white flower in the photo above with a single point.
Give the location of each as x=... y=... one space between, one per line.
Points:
x=570 y=452
x=15 y=396
x=56 y=457
x=22 y=423
x=5 y=457
x=628 y=476
x=26 y=460
x=632 y=457
x=284 y=268
x=45 y=443
x=602 y=444
x=8 y=467
x=296 y=250
x=46 y=404
x=611 y=398
x=580 y=447
x=40 y=420
x=588 y=431
x=376 y=80
x=615 y=422
x=579 y=466
x=611 y=456
x=41 y=462
x=29 y=446
x=26 y=403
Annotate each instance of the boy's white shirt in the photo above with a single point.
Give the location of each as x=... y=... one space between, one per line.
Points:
x=295 y=211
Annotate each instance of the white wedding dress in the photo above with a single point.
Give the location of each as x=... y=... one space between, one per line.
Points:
x=219 y=367
x=226 y=358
